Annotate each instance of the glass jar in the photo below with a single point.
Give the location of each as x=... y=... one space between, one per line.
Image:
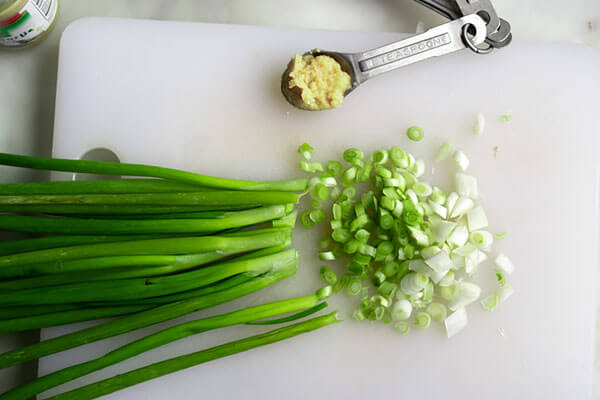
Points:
x=24 y=22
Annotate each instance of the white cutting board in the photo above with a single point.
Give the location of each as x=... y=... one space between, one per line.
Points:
x=206 y=98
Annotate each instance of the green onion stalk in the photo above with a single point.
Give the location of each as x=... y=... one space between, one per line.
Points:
x=139 y=170
x=146 y=318
x=162 y=338
x=155 y=370
x=140 y=288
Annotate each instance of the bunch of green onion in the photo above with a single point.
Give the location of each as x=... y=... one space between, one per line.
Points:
x=410 y=250
x=144 y=251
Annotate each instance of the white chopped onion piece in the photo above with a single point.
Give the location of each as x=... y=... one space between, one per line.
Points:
x=481 y=239
x=429 y=252
x=401 y=310
x=465 y=293
x=504 y=264
x=439 y=262
x=443 y=229
x=466 y=185
x=476 y=219
x=420 y=266
x=412 y=196
x=459 y=236
x=464 y=250
x=463 y=204
x=438 y=209
x=447 y=280
x=505 y=292
x=445 y=150
x=461 y=159
x=479 y=125
x=420 y=237
x=473 y=260
x=413 y=283
x=419 y=168
x=422 y=189
x=490 y=302
x=458 y=261
x=455 y=322
x=451 y=201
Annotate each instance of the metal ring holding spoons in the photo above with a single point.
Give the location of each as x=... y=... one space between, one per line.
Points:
x=472 y=46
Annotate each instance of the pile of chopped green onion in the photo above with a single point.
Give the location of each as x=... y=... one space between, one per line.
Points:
x=145 y=251
x=410 y=250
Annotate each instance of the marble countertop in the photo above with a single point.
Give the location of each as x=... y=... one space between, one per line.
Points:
x=28 y=76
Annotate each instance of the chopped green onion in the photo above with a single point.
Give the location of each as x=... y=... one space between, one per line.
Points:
x=336 y=224
x=379 y=313
x=387 y=289
x=335 y=193
x=326 y=256
x=399 y=157
x=306 y=150
x=362 y=235
x=354 y=287
x=383 y=172
x=328 y=275
x=437 y=311
x=349 y=176
x=415 y=133
x=455 y=322
x=501 y=235
x=422 y=189
x=320 y=191
x=317 y=215
x=422 y=320
x=316 y=204
x=305 y=219
x=505 y=292
x=419 y=236
x=352 y=154
x=479 y=125
x=328 y=180
x=461 y=159
x=367 y=250
x=386 y=221
x=459 y=236
x=334 y=167
x=359 y=222
x=356 y=268
x=500 y=278
x=349 y=192
x=503 y=264
x=380 y=157
x=311 y=167
x=364 y=173
x=505 y=118
x=324 y=243
x=402 y=327
x=351 y=246
x=358 y=315
x=444 y=152
x=341 y=235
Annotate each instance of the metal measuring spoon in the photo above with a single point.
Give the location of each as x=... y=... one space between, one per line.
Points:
x=459 y=34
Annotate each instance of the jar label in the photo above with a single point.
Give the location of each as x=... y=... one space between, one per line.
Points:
x=34 y=19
